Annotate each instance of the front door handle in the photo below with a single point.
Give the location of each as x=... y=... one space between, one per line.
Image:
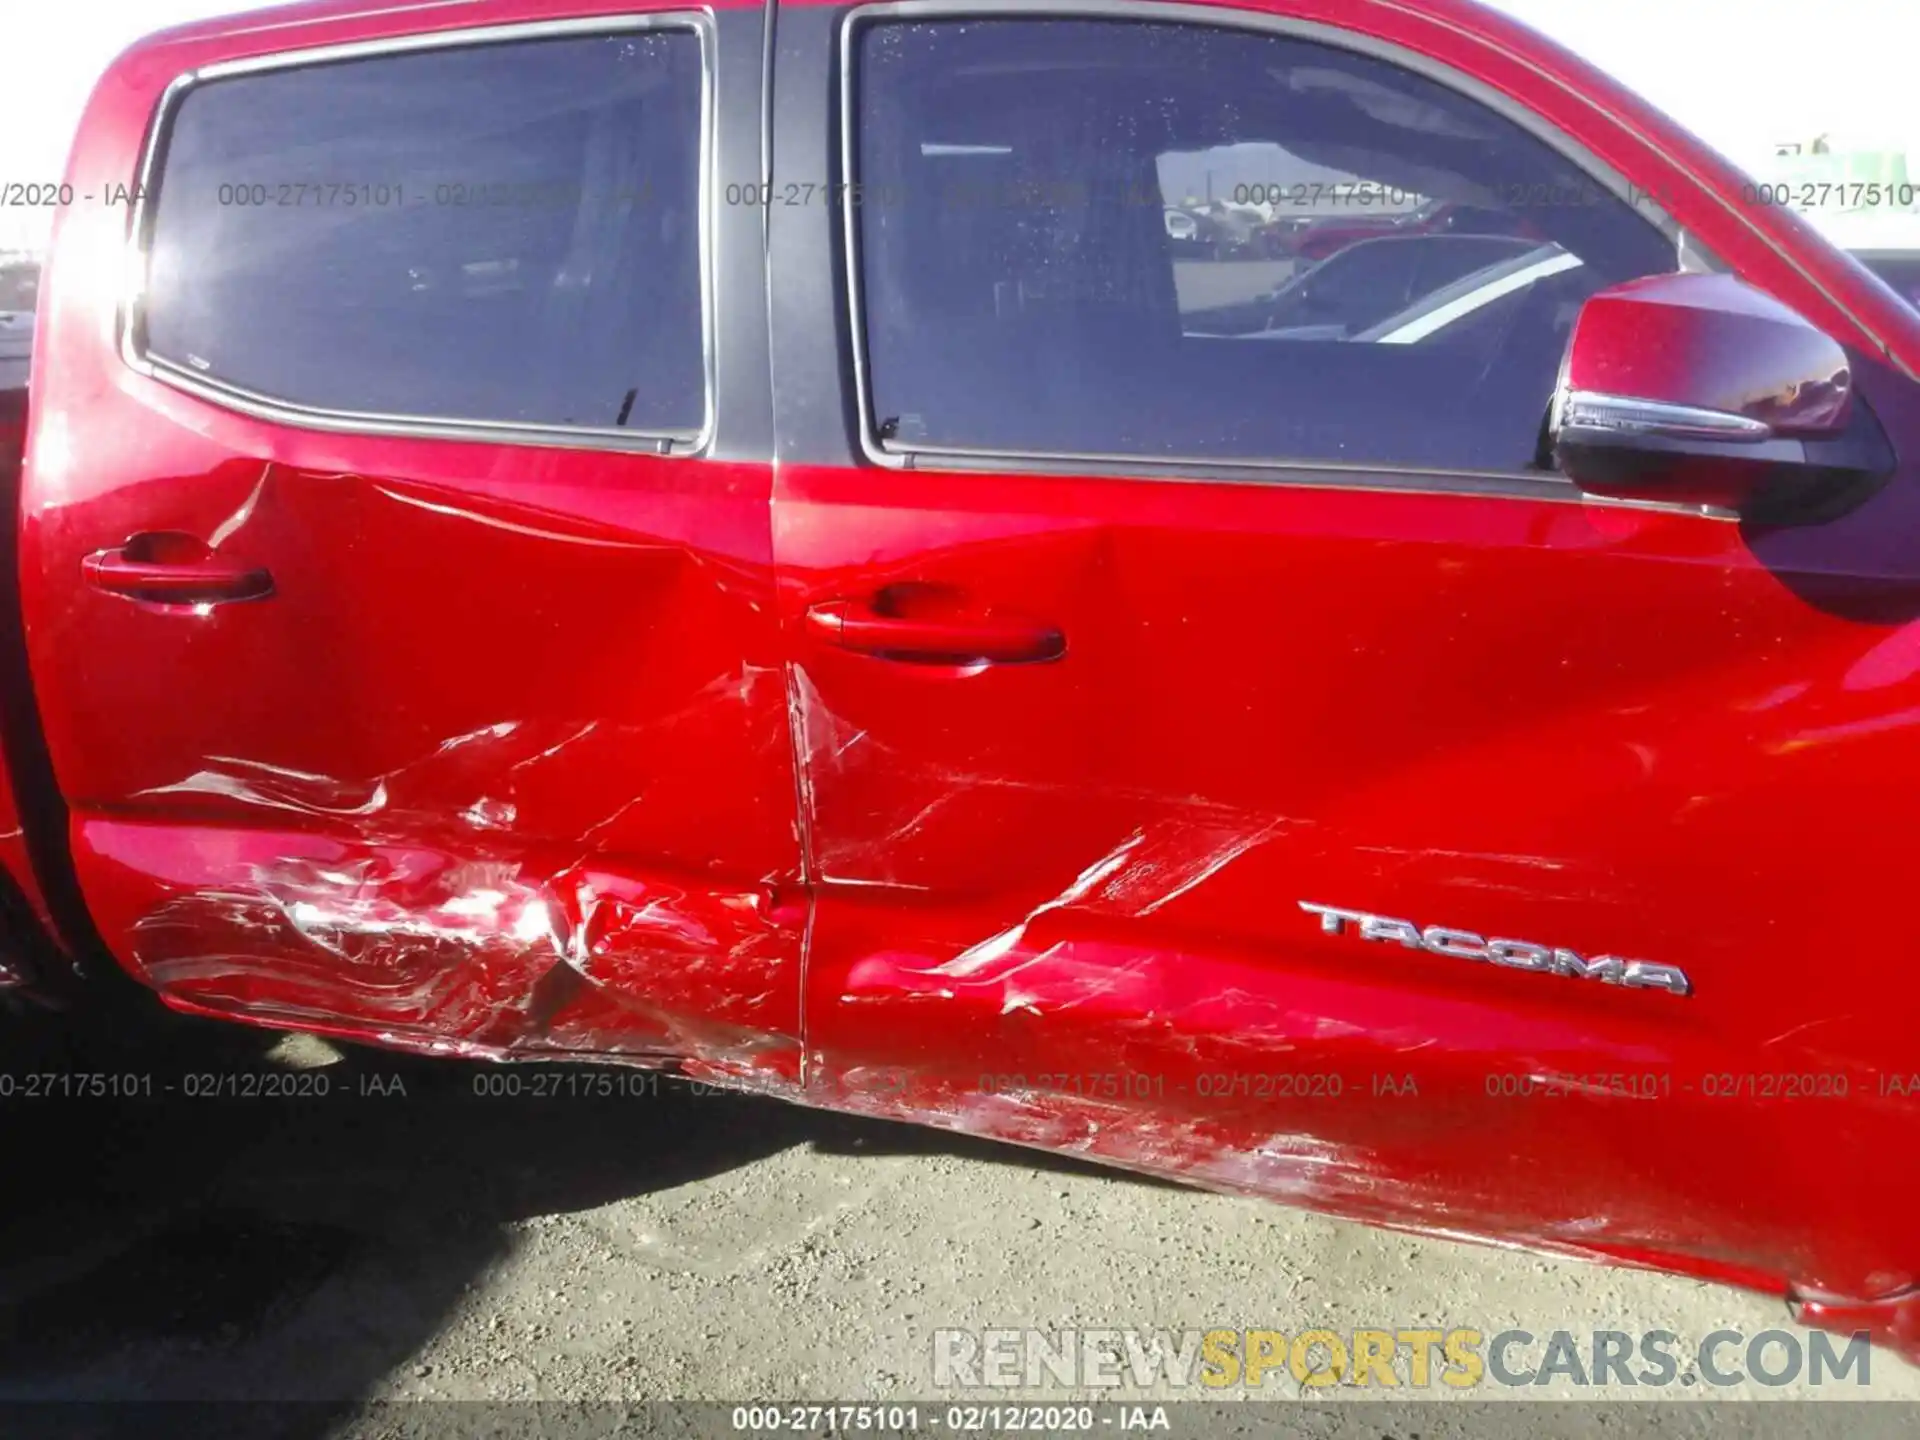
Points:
x=169 y=569
x=952 y=640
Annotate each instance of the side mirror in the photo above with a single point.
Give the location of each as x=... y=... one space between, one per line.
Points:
x=1703 y=390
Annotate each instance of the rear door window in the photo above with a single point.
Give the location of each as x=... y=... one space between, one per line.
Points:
x=507 y=232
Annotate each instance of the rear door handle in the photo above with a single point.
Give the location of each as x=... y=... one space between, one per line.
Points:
x=856 y=625
x=165 y=569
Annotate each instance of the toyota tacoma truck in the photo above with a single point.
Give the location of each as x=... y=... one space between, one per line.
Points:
x=719 y=539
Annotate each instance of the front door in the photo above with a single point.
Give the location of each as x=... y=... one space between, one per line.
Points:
x=399 y=600
x=1230 y=747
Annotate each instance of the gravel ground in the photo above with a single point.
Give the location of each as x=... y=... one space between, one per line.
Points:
x=439 y=1244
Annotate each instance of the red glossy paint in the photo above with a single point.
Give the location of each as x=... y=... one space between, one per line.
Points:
x=495 y=752
x=1059 y=903
x=1611 y=730
x=1712 y=342
x=518 y=756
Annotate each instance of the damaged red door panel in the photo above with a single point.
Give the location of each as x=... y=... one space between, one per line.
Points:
x=431 y=699
x=1393 y=830
x=976 y=617
x=1103 y=947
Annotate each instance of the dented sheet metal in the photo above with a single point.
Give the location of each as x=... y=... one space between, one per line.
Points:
x=1307 y=1079
x=1098 y=953
x=986 y=898
x=1102 y=1020
x=502 y=767
x=431 y=924
x=489 y=958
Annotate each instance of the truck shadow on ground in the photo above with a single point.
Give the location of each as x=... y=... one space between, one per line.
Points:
x=163 y=1245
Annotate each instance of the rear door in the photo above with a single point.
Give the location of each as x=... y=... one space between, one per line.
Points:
x=396 y=565
x=1243 y=754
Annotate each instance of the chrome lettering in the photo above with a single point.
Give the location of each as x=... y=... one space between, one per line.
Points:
x=1461 y=944
x=1331 y=919
x=1519 y=954
x=1513 y=954
x=1379 y=927
x=1642 y=975
x=1608 y=969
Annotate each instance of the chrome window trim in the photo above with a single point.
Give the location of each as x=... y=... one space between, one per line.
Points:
x=131 y=317
x=1516 y=483
x=1318 y=474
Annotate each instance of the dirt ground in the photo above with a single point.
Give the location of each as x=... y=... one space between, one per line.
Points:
x=404 y=1237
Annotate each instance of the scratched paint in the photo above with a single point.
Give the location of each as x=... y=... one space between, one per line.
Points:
x=485 y=958
x=1092 y=1022
x=410 y=904
x=1132 y=1016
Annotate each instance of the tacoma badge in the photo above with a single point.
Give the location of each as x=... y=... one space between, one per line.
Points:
x=1514 y=954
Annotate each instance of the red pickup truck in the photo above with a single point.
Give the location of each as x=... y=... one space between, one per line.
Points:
x=704 y=538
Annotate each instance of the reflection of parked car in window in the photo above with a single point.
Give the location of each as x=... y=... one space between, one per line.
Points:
x=1318 y=236
x=1361 y=286
x=1216 y=234
x=1472 y=296
x=1439 y=311
x=1319 y=239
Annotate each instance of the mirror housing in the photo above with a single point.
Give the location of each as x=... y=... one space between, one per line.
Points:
x=1701 y=390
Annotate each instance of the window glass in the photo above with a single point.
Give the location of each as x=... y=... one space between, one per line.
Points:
x=1119 y=237
x=1900 y=270
x=504 y=232
x=19 y=286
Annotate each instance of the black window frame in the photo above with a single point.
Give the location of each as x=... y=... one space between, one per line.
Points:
x=890 y=454
x=131 y=319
